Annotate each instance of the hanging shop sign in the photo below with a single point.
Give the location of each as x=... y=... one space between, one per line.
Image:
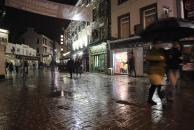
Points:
x=99 y=49
x=189 y=9
x=52 y=9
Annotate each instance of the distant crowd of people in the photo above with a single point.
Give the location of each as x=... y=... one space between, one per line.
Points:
x=18 y=67
x=74 y=66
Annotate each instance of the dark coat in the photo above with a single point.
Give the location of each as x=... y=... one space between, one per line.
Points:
x=70 y=65
x=173 y=59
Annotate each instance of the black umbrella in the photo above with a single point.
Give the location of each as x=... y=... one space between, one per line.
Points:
x=168 y=29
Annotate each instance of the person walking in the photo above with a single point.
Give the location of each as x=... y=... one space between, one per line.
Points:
x=11 y=67
x=80 y=67
x=173 y=67
x=156 y=70
x=131 y=65
x=70 y=67
x=26 y=67
x=17 y=65
x=76 y=65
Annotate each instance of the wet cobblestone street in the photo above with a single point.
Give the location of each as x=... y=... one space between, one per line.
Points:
x=45 y=101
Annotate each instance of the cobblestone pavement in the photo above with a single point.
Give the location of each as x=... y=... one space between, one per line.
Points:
x=45 y=101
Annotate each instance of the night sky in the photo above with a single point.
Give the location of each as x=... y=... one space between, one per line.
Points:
x=17 y=21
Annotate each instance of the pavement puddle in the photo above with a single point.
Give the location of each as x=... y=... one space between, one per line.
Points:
x=128 y=103
x=61 y=94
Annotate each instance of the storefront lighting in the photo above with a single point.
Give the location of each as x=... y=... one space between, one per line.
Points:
x=65 y=54
x=187 y=45
x=3 y=31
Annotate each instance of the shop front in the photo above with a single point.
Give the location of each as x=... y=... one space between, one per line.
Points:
x=120 y=58
x=98 y=58
x=120 y=52
x=188 y=60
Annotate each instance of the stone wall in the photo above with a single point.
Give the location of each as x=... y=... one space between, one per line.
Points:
x=2 y=61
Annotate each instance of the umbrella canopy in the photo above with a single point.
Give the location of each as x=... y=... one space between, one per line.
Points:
x=168 y=29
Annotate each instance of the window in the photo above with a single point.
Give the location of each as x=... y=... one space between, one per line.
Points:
x=121 y=1
x=166 y=12
x=148 y=15
x=88 y=23
x=37 y=50
x=96 y=58
x=124 y=26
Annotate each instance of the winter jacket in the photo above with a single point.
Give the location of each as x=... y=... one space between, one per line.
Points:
x=156 y=61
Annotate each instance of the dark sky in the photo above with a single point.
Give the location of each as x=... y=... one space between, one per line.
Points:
x=17 y=21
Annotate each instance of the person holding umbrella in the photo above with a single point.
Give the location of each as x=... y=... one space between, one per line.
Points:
x=156 y=69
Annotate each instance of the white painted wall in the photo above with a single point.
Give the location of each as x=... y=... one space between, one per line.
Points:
x=20 y=49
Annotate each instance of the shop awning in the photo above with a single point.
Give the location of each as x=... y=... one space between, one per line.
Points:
x=125 y=43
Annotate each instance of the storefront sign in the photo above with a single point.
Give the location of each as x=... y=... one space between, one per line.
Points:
x=188 y=67
x=52 y=9
x=99 y=49
x=189 y=9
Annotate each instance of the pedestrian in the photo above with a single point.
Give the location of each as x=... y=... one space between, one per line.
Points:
x=70 y=67
x=131 y=65
x=173 y=66
x=52 y=65
x=17 y=65
x=76 y=65
x=156 y=70
x=11 y=67
x=26 y=67
x=80 y=67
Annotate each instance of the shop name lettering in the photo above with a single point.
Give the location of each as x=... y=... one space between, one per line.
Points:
x=98 y=50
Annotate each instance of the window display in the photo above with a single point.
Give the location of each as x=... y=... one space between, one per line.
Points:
x=120 y=63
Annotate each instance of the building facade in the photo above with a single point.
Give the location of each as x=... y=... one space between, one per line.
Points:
x=88 y=40
x=4 y=38
x=18 y=53
x=128 y=19
x=41 y=43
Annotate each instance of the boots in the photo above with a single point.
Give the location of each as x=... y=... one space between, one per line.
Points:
x=151 y=93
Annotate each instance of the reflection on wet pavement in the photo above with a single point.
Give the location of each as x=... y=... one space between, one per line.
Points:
x=52 y=101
